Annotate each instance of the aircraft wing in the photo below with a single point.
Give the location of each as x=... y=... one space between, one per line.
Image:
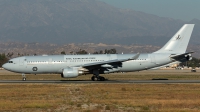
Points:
x=109 y=61
x=182 y=56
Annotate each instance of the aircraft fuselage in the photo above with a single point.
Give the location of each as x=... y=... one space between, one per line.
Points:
x=56 y=63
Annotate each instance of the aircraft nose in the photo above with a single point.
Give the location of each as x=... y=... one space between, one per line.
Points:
x=5 y=66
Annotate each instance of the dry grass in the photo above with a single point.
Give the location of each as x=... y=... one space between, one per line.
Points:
x=100 y=97
x=145 y=97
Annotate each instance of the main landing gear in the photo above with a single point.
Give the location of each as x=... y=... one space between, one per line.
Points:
x=96 y=76
x=23 y=77
x=99 y=78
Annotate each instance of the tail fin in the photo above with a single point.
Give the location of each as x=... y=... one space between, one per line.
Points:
x=179 y=42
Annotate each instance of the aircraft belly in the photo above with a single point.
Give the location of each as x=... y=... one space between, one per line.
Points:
x=136 y=66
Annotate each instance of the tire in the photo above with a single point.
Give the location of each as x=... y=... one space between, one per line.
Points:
x=24 y=79
x=102 y=79
x=96 y=79
x=92 y=78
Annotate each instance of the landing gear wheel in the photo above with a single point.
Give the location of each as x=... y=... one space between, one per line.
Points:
x=24 y=78
x=94 y=78
x=102 y=78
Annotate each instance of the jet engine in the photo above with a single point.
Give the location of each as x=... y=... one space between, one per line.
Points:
x=71 y=72
x=188 y=57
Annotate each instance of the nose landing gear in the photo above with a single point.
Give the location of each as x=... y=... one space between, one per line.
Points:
x=23 y=77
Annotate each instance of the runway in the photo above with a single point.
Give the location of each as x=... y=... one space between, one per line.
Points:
x=108 y=81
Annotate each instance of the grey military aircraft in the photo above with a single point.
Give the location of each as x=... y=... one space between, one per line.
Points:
x=70 y=66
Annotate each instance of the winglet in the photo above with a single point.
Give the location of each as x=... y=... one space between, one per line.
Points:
x=135 y=57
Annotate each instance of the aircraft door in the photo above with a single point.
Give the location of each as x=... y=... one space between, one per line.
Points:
x=153 y=59
x=21 y=61
x=50 y=61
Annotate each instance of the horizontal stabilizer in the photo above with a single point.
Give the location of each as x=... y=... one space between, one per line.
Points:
x=180 y=57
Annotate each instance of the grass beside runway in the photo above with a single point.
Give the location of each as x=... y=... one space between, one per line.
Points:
x=100 y=97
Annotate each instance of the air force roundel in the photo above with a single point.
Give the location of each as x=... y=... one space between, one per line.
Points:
x=35 y=69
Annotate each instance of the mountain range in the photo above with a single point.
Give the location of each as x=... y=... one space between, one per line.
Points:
x=84 y=21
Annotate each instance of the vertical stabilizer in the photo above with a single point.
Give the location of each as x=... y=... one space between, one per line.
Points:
x=179 y=42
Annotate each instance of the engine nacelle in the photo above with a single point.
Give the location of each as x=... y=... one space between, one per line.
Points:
x=71 y=72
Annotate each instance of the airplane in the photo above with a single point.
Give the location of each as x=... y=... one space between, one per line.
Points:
x=71 y=66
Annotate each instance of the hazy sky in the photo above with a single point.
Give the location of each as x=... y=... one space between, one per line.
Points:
x=177 y=9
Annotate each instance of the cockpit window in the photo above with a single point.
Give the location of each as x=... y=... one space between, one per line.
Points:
x=10 y=61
